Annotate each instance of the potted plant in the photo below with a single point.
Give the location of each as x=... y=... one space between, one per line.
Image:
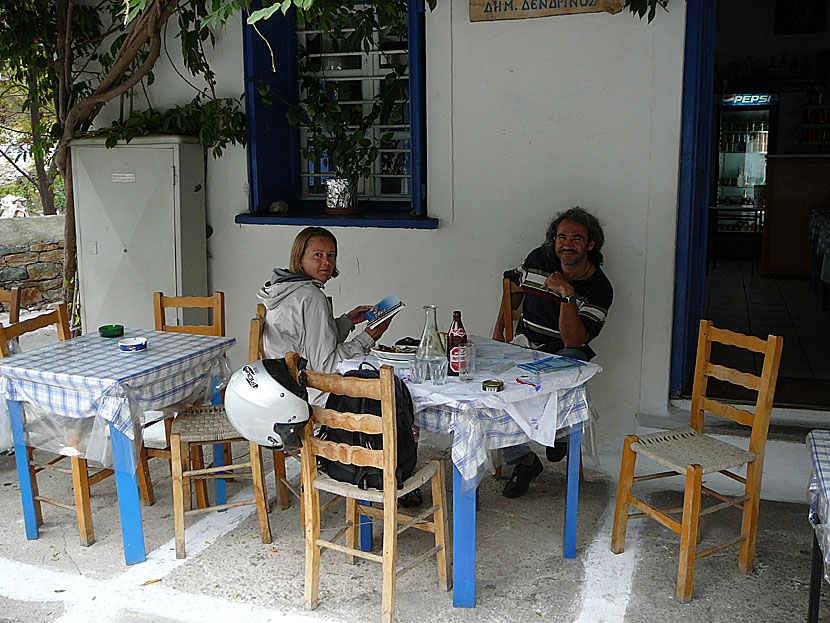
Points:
x=338 y=124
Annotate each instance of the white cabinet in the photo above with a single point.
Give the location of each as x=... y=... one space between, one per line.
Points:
x=140 y=225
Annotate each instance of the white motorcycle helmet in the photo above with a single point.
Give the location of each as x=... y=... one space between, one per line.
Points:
x=266 y=405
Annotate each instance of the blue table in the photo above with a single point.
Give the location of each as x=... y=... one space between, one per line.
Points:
x=482 y=422
x=89 y=376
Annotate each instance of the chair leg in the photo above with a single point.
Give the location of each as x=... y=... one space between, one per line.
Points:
x=311 y=527
x=629 y=458
x=145 y=486
x=181 y=490
x=352 y=517
x=197 y=461
x=390 y=553
x=439 y=518
x=279 y=478
x=749 y=521
x=33 y=478
x=80 y=484
x=688 y=532
x=260 y=494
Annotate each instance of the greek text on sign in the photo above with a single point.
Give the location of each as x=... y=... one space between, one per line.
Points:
x=485 y=10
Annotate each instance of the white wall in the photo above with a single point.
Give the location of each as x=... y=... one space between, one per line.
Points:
x=525 y=118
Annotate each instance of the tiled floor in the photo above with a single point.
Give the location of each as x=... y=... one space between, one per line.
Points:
x=747 y=303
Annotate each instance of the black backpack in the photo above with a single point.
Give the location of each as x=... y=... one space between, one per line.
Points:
x=366 y=477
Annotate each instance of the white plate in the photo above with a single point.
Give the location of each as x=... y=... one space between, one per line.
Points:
x=396 y=357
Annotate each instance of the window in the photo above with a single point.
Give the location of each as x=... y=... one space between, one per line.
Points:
x=395 y=193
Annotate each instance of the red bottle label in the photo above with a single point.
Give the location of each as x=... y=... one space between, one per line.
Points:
x=454 y=359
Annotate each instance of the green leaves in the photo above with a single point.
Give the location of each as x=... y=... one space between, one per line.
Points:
x=641 y=7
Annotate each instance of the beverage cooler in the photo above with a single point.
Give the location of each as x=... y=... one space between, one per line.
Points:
x=746 y=133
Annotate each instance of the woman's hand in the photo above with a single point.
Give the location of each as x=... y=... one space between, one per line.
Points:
x=358 y=314
x=376 y=332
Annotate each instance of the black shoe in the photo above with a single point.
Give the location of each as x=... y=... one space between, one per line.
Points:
x=520 y=480
x=557 y=452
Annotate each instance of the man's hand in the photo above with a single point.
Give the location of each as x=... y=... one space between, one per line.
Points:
x=358 y=314
x=379 y=330
x=559 y=285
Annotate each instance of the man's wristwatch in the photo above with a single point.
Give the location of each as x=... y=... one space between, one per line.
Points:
x=570 y=299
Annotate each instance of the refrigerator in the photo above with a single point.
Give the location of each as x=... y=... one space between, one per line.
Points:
x=746 y=133
x=746 y=126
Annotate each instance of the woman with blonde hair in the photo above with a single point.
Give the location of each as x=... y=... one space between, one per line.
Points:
x=299 y=316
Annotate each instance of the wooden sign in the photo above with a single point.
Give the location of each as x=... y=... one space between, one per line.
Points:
x=486 y=10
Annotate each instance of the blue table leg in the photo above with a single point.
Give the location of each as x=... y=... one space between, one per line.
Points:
x=132 y=532
x=220 y=484
x=464 y=544
x=365 y=524
x=572 y=497
x=24 y=477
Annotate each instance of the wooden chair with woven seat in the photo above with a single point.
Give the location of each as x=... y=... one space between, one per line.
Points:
x=12 y=299
x=208 y=425
x=691 y=453
x=432 y=519
x=255 y=352
x=214 y=325
x=79 y=469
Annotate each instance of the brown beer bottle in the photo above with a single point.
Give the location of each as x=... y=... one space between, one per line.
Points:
x=456 y=336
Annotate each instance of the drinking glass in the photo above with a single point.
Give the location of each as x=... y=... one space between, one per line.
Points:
x=419 y=370
x=438 y=370
x=467 y=362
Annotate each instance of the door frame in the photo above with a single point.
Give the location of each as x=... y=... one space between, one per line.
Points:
x=693 y=189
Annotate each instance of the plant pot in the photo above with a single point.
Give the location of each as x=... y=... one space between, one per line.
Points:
x=341 y=197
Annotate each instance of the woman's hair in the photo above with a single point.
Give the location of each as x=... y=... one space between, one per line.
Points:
x=300 y=244
x=588 y=221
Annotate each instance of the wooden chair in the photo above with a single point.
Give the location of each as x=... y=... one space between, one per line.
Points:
x=79 y=470
x=255 y=352
x=216 y=326
x=208 y=425
x=432 y=519
x=12 y=299
x=691 y=453
x=511 y=306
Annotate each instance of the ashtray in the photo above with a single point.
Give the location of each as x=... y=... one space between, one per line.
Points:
x=111 y=330
x=133 y=344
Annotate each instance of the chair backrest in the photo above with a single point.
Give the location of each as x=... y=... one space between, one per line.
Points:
x=12 y=299
x=255 y=350
x=216 y=303
x=511 y=306
x=58 y=317
x=382 y=389
x=764 y=384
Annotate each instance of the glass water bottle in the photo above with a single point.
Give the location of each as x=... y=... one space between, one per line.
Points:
x=431 y=357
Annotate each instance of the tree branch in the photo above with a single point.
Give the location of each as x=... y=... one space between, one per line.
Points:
x=19 y=170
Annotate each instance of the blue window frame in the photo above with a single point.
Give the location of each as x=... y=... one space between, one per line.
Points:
x=274 y=161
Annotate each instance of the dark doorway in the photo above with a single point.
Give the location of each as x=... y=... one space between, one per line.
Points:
x=758 y=255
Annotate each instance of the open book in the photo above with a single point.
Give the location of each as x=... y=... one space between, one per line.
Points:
x=386 y=308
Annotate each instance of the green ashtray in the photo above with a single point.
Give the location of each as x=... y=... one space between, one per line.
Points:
x=111 y=330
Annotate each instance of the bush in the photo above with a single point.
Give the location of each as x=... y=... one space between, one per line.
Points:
x=23 y=188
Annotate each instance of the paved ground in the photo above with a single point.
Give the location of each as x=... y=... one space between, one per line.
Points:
x=229 y=575
x=522 y=576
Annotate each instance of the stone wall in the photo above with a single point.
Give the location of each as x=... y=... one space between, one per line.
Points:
x=31 y=258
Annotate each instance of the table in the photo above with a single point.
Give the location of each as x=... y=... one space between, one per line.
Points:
x=481 y=422
x=818 y=493
x=89 y=377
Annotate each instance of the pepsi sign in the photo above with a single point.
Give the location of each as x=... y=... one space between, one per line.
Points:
x=749 y=99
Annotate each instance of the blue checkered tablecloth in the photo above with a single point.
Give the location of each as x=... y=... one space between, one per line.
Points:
x=818 y=493
x=91 y=376
x=481 y=422
x=478 y=430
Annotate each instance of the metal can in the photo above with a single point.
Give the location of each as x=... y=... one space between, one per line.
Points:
x=492 y=385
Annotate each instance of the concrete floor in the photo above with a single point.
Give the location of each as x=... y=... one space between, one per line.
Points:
x=229 y=574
